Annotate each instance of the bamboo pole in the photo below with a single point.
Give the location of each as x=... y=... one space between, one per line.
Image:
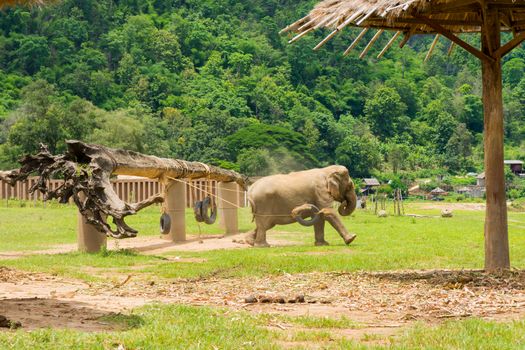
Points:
x=372 y=41
x=356 y=41
x=389 y=44
x=432 y=47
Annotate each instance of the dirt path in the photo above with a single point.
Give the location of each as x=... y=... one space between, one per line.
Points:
x=453 y=206
x=156 y=245
x=381 y=303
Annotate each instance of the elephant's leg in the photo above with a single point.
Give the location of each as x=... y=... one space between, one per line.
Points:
x=260 y=237
x=331 y=216
x=319 y=232
x=249 y=238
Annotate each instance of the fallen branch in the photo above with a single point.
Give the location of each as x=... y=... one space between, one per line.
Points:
x=86 y=170
x=118 y=285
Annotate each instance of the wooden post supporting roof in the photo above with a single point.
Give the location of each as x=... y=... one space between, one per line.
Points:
x=450 y=18
x=496 y=229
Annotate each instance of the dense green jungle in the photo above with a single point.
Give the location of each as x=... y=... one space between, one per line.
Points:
x=214 y=81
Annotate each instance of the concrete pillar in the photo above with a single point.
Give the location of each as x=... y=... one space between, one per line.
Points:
x=90 y=240
x=228 y=211
x=176 y=209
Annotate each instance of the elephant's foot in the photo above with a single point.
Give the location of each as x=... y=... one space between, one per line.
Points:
x=350 y=239
x=250 y=238
x=321 y=243
x=261 y=244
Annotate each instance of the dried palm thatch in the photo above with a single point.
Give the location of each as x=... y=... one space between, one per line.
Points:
x=10 y=3
x=409 y=17
x=456 y=16
x=86 y=170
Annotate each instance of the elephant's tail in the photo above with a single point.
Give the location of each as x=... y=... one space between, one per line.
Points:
x=252 y=205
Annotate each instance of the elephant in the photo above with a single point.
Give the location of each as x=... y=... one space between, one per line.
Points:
x=282 y=199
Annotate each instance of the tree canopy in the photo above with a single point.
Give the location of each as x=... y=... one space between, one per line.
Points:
x=215 y=82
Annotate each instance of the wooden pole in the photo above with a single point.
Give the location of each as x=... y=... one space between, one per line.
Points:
x=175 y=203
x=227 y=208
x=496 y=229
x=89 y=238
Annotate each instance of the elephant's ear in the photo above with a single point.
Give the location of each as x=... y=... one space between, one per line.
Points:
x=337 y=182
x=351 y=185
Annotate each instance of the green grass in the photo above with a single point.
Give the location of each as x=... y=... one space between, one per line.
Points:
x=187 y=327
x=468 y=334
x=391 y=243
x=159 y=327
x=26 y=225
x=382 y=244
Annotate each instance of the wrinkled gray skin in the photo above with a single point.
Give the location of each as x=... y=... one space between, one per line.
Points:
x=273 y=198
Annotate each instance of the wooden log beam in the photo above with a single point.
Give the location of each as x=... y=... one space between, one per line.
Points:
x=508 y=47
x=496 y=226
x=448 y=34
x=407 y=36
x=4 y=175
x=86 y=170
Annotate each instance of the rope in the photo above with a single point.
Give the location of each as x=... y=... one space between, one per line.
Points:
x=224 y=200
x=211 y=194
x=163 y=208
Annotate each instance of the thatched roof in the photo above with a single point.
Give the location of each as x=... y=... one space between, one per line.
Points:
x=8 y=3
x=371 y=182
x=409 y=17
x=438 y=190
x=454 y=15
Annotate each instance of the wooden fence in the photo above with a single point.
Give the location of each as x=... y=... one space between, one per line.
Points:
x=128 y=189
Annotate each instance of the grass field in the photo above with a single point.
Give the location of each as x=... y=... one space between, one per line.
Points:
x=393 y=243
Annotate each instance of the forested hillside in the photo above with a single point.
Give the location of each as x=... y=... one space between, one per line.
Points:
x=213 y=81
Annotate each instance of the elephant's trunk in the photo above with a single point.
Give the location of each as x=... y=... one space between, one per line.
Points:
x=347 y=207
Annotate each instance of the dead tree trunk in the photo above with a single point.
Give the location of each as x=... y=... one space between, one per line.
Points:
x=5 y=174
x=86 y=169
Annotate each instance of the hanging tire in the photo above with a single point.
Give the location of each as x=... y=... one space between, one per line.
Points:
x=165 y=224
x=208 y=219
x=197 y=210
x=314 y=217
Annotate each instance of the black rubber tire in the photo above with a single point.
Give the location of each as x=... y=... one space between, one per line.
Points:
x=197 y=210
x=314 y=218
x=165 y=224
x=210 y=220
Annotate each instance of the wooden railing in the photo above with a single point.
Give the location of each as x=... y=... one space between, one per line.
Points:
x=128 y=189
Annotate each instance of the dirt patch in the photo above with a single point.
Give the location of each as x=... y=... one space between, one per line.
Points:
x=39 y=300
x=34 y=313
x=381 y=302
x=453 y=206
x=391 y=297
x=156 y=245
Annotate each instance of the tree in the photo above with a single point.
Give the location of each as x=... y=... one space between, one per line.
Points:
x=513 y=71
x=445 y=126
x=384 y=111
x=30 y=52
x=459 y=149
x=255 y=162
x=472 y=114
x=359 y=154
x=119 y=130
x=397 y=155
